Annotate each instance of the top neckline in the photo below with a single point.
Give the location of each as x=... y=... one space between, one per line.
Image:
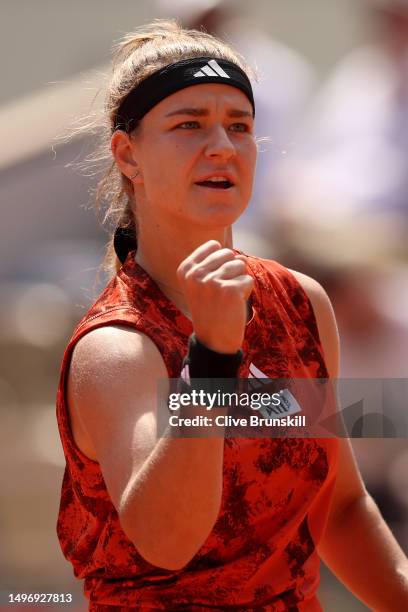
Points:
x=131 y=269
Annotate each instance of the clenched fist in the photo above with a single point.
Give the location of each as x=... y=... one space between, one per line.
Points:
x=216 y=287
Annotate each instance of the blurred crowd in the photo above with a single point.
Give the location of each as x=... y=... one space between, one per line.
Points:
x=330 y=200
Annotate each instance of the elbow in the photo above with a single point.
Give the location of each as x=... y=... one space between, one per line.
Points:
x=164 y=555
x=170 y=560
x=168 y=549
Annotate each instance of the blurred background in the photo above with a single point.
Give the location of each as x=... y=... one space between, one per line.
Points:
x=330 y=201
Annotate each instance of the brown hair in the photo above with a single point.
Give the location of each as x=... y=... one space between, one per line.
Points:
x=136 y=56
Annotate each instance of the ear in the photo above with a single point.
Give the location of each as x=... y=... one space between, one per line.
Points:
x=124 y=151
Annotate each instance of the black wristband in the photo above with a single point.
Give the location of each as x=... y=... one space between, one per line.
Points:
x=202 y=362
x=207 y=371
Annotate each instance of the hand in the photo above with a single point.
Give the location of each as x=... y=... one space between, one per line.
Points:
x=216 y=287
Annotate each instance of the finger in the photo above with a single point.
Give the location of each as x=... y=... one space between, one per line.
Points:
x=198 y=255
x=243 y=258
x=243 y=283
x=228 y=270
x=202 y=252
x=216 y=259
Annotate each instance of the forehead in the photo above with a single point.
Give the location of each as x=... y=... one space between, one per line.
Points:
x=206 y=95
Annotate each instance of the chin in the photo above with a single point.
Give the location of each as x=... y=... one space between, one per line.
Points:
x=223 y=210
x=220 y=215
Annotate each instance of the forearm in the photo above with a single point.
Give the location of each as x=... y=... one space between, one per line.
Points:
x=360 y=549
x=174 y=498
x=172 y=502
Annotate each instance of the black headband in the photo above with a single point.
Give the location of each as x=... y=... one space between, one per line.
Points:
x=172 y=78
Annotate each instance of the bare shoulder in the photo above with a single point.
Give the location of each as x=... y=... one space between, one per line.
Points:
x=106 y=353
x=106 y=362
x=122 y=342
x=325 y=319
x=112 y=398
x=311 y=286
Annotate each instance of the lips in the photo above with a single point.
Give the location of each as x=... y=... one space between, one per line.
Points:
x=217 y=180
x=215 y=184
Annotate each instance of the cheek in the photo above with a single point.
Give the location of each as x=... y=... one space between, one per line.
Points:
x=165 y=179
x=161 y=171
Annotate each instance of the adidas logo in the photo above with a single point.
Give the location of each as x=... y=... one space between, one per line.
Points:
x=255 y=372
x=211 y=69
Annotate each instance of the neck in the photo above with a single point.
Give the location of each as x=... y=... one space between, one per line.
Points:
x=160 y=254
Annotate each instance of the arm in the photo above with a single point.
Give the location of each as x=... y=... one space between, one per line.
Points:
x=167 y=492
x=357 y=544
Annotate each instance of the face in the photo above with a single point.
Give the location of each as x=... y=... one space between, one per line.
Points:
x=196 y=155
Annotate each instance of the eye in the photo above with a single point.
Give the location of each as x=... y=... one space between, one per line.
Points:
x=240 y=127
x=188 y=125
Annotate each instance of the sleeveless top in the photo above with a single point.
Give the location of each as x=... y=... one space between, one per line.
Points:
x=261 y=553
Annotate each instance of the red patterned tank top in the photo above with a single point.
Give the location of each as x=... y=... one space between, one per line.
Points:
x=261 y=553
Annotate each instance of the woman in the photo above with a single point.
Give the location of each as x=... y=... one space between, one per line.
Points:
x=201 y=523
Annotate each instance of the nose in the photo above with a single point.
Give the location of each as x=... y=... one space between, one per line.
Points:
x=219 y=144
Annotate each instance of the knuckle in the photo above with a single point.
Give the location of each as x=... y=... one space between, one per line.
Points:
x=239 y=265
x=225 y=252
x=209 y=278
x=232 y=267
x=182 y=270
x=189 y=275
x=214 y=244
x=195 y=274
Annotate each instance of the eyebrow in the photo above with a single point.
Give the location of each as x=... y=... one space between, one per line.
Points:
x=204 y=112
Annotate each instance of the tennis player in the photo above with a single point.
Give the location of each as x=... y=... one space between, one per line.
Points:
x=201 y=523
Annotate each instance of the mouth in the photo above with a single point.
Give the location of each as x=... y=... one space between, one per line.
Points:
x=223 y=184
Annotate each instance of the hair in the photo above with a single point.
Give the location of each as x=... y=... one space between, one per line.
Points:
x=136 y=56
